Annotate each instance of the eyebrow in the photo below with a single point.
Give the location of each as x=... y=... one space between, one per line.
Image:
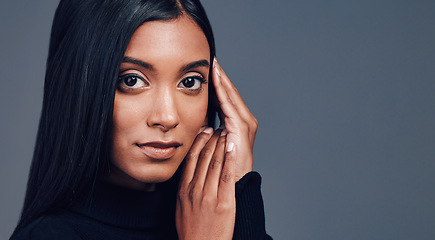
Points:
x=137 y=62
x=200 y=63
x=192 y=65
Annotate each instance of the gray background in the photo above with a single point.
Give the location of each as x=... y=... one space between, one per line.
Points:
x=343 y=91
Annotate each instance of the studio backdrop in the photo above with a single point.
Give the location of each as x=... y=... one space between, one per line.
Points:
x=344 y=92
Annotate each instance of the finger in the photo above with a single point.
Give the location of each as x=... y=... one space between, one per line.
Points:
x=191 y=158
x=226 y=82
x=215 y=166
x=203 y=161
x=231 y=91
x=225 y=103
x=229 y=116
x=227 y=183
x=237 y=112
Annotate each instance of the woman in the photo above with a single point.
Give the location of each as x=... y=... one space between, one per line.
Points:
x=125 y=147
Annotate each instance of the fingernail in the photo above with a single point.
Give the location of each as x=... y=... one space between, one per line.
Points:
x=208 y=130
x=215 y=59
x=201 y=130
x=230 y=147
x=224 y=132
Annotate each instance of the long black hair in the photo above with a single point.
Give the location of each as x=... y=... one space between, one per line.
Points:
x=87 y=44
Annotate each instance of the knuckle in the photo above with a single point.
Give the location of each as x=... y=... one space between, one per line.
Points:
x=182 y=192
x=191 y=196
x=226 y=176
x=224 y=207
x=180 y=196
x=253 y=128
x=206 y=152
x=192 y=155
x=194 y=194
x=208 y=200
x=220 y=102
x=254 y=122
x=214 y=163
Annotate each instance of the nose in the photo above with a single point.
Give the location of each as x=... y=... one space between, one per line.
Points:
x=164 y=112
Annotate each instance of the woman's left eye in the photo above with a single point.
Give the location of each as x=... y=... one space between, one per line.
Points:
x=192 y=82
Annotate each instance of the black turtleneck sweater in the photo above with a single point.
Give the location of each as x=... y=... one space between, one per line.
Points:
x=113 y=212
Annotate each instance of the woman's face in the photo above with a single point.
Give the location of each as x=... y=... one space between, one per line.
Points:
x=161 y=100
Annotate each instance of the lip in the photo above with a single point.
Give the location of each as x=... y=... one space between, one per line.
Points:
x=159 y=150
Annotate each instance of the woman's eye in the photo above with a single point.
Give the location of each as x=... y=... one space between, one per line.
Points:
x=192 y=82
x=131 y=81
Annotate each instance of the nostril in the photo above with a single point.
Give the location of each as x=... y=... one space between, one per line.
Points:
x=164 y=127
x=163 y=115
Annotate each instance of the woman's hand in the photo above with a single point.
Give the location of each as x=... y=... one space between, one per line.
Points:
x=238 y=120
x=206 y=204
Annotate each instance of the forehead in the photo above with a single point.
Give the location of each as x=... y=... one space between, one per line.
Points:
x=176 y=39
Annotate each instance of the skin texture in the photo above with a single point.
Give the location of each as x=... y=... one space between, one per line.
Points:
x=154 y=104
x=161 y=109
x=206 y=205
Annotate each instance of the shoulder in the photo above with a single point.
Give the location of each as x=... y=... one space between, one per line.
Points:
x=52 y=226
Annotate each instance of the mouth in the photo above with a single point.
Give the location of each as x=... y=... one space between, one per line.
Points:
x=159 y=150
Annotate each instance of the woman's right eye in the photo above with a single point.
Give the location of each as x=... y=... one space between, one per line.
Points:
x=131 y=82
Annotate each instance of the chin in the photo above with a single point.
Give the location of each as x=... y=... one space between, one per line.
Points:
x=154 y=177
x=149 y=173
x=134 y=171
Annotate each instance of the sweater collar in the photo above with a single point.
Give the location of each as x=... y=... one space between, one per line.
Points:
x=128 y=208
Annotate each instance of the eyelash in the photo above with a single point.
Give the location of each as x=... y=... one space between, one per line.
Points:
x=122 y=86
x=195 y=77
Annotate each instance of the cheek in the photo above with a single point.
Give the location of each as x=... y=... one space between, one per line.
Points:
x=194 y=114
x=193 y=118
x=126 y=117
